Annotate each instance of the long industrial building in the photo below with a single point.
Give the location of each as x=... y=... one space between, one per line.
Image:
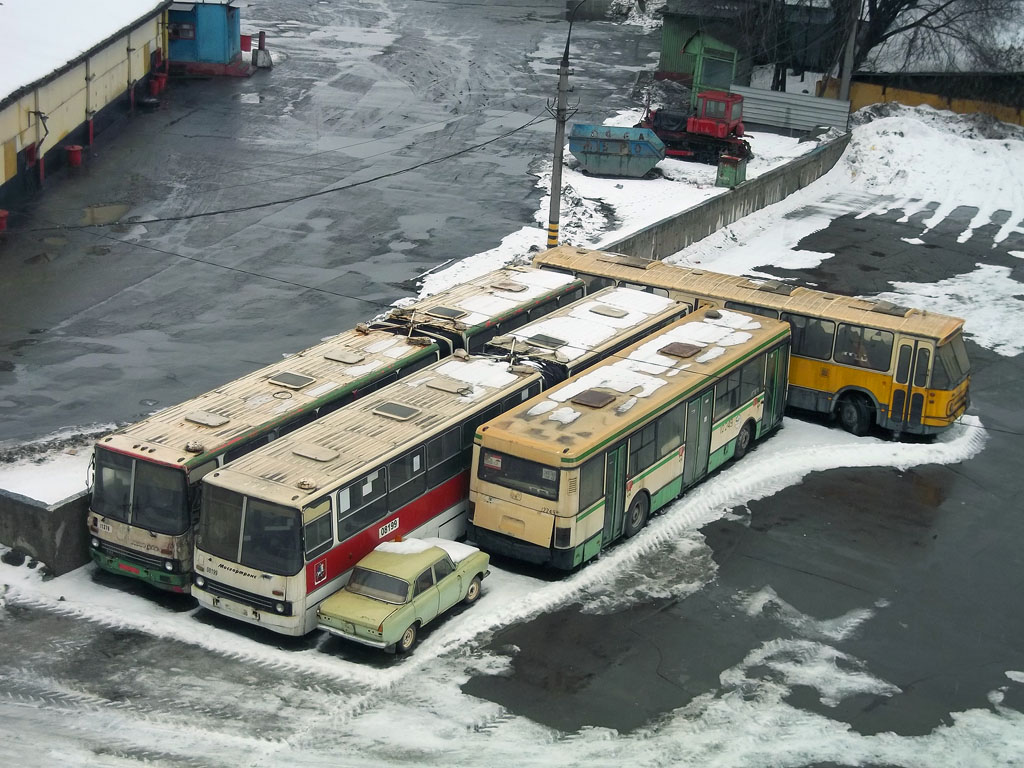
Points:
x=69 y=69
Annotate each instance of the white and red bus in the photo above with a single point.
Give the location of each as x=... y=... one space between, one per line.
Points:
x=283 y=526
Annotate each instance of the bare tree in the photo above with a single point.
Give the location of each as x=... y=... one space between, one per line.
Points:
x=941 y=35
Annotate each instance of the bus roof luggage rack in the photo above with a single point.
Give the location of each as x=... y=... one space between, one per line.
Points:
x=315 y=452
x=206 y=419
x=888 y=308
x=776 y=286
x=396 y=411
x=291 y=380
x=347 y=356
x=447 y=313
x=680 y=349
x=630 y=261
x=593 y=398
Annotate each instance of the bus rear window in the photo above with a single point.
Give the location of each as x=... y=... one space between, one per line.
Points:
x=519 y=474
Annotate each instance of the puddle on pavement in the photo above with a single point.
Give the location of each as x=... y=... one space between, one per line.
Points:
x=104 y=213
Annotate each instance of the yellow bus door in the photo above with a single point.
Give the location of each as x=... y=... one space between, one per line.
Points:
x=907 y=405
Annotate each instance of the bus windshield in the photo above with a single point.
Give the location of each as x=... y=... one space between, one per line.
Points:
x=951 y=364
x=379 y=586
x=251 y=532
x=519 y=474
x=158 y=500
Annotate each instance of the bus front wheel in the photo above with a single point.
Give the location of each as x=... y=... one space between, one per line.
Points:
x=637 y=517
x=855 y=415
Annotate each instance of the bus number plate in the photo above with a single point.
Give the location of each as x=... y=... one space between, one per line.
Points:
x=387 y=528
x=106 y=527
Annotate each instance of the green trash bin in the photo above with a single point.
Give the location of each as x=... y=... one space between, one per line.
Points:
x=732 y=170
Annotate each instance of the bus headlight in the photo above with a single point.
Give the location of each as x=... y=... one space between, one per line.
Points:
x=200 y=582
x=95 y=542
x=279 y=607
x=168 y=566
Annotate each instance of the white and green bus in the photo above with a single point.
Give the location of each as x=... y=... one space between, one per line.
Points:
x=565 y=474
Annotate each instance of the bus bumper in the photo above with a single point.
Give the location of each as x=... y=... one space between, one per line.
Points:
x=500 y=544
x=160 y=578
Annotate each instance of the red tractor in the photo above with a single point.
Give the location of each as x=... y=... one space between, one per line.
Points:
x=716 y=129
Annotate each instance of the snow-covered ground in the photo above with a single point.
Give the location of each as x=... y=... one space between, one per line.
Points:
x=891 y=157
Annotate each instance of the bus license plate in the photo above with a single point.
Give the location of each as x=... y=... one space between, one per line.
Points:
x=384 y=530
x=106 y=527
x=236 y=608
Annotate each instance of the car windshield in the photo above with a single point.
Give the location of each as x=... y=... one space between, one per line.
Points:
x=519 y=474
x=251 y=532
x=155 y=499
x=379 y=586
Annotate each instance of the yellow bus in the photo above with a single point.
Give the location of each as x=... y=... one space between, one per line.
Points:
x=867 y=362
x=558 y=478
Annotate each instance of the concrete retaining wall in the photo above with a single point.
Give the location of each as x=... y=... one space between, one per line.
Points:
x=674 y=233
x=55 y=535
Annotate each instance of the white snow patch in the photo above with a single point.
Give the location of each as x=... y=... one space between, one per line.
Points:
x=1017 y=677
x=483 y=373
x=542 y=407
x=565 y=415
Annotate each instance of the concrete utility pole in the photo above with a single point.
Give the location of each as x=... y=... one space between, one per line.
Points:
x=554 y=209
x=847 y=74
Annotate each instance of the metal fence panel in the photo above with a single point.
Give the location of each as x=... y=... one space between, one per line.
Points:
x=794 y=111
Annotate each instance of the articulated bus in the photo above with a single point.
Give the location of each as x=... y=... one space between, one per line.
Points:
x=282 y=527
x=586 y=331
x=469 y=315
x=145 y=500
x=869 y=362
x=565 y=474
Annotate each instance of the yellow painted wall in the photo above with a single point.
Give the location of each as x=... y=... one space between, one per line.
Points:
x=865 y=94
x=68 y=100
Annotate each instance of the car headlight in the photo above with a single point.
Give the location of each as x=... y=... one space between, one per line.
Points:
x=200 y=582
x=168 y=566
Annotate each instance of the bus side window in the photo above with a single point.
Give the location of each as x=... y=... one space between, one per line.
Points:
x=727 y=395
x=864 y=347
x=318 y=533
x=591 y=482
x=445 y=458
x=642 y=449
x=476 y=342
x=569 y=298
x=670 y=430
x=335 y=405
x=361 y=503
x=751 y=380
x=407 y=479
x=419 y=365
x=383 y=381
x=752 y=309
x=542 y=309
x=811 y=337
x=659 y=292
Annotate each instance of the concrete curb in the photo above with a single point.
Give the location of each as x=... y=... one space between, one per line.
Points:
x=54 y=534
x=672 y=234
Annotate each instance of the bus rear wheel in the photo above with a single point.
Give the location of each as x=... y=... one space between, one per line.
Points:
x=637 y=517
x=743 y=441
x=855 y=415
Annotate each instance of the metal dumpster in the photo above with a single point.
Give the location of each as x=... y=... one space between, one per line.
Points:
x=606 y=150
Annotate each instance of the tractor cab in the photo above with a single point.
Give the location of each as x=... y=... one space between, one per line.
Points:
x=719 y=115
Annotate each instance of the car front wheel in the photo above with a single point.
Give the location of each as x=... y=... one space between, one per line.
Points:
x=473 y=593
x=407 y=640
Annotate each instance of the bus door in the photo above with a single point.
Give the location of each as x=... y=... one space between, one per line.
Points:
x=614 y=492
x=698 y=437
x=909 y=384
x=774 y=388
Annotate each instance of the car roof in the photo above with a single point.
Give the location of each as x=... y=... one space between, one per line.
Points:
x=405 y=565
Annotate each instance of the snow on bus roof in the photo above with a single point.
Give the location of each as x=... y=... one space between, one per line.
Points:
x=40 y=37
x=582 y=328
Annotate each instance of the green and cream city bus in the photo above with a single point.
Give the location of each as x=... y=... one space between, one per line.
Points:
x=570 y=471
